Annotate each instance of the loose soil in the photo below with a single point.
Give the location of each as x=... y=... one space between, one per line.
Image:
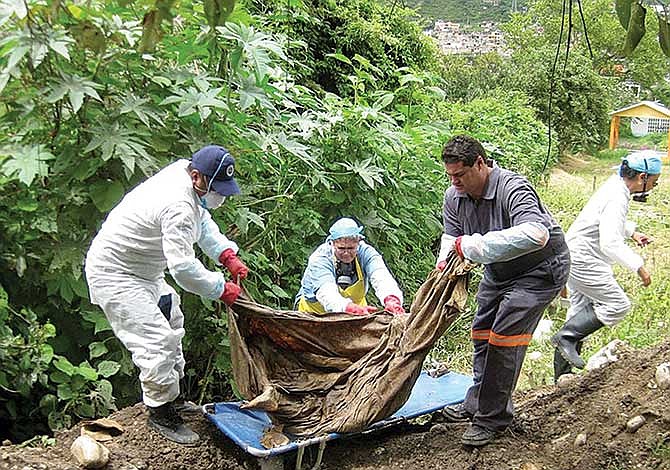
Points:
x=597 y=404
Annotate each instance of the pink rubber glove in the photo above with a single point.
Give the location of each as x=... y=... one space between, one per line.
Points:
x=236 y=267
x=355 y=309
x=231 y=292
x=392 y=305
x=441 y=265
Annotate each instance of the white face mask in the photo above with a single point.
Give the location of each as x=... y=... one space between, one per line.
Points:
x=212 y=200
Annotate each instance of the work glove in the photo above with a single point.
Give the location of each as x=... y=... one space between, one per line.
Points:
x=392 y=305
x=441 y=265
x=231 y=292
x=236 y=267
x=355 y=309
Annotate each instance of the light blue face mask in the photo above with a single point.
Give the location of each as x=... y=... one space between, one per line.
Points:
x=212 y=200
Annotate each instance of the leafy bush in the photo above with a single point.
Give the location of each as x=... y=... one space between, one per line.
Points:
x=508 y=127
x=38 y=385
x=97 y=97
x=386 y=35
x=86 y=116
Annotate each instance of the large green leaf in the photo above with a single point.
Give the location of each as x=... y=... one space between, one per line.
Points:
x=26 y=162
x=124 y=143
x=105 y=194
x=76 y=88
x=62 y=364
x=636 y=28
x=623 y=8
x=139 y=107
x=89 y=373
x=96 y=349
x=108 y=368
x=664 y=35
x=98 y=319
x=192 y=100
x=11 y=8
x=65 y=392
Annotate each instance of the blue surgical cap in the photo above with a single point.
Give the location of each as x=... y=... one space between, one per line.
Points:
x=343 y=228
x=645 y=161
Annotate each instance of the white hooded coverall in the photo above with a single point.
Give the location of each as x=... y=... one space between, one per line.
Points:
x=597 y=240
x=153 y=228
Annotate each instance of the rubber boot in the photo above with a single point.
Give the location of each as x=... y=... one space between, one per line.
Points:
x=575 y=329
x=561 y=366
x=167 y=421
x=182 y=404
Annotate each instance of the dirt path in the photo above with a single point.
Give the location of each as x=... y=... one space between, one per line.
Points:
x=597 y=404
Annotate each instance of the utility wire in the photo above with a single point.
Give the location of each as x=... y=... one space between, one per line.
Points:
x=552 y=83
x=567 y=43
x=586 y=33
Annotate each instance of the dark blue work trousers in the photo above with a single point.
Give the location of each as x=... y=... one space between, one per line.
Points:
x=508 y=313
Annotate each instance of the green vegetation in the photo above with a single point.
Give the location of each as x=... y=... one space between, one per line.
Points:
x=466 y=11
x=331 y=108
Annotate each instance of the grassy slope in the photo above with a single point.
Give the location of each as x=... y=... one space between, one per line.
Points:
x=649 y=321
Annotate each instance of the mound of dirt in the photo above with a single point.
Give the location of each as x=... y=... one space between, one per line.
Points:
x=596 y=405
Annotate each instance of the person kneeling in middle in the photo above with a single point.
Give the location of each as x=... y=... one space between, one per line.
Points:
x=340 y=271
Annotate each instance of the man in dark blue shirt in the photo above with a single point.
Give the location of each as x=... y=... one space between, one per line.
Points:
x=494 y=217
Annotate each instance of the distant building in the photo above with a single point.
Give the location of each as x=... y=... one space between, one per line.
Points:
x=641 y=126
x=454 y=40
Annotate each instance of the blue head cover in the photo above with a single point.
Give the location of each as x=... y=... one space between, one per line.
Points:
x=644 y=161
x=343 y=228
x=218 y=164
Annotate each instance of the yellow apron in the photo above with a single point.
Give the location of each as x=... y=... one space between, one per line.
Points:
x=355 y=292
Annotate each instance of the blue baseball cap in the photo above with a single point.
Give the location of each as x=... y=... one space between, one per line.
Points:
x=345 y=228
x=218 y=164
x=645 y=161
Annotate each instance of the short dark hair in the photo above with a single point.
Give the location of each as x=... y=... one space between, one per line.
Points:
x=463 y=148
x=627 y=172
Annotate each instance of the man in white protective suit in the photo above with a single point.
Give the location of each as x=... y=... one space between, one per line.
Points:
x=597 y=240
x=152 y=229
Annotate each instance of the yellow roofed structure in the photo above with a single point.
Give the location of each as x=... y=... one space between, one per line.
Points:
x=641 y=109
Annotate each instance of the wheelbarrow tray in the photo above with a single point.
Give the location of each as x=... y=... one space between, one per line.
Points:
x=246 y=427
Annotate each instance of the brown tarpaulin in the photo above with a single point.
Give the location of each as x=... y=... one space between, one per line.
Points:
x=338 y=372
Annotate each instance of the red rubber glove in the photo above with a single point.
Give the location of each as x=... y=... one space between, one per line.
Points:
x=441 y=265
x=236 y=267
x=457 y=247
x=355 y=309
x=231 y=292
x=392 y=305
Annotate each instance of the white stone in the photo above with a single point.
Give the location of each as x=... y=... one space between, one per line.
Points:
x=565 y=380
x=663 y=375
x=529 y=466
x=635 y=423
x=580 y=440
x=89 y=453
x=606 y=355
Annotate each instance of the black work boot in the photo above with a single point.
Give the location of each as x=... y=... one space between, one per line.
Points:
x=186 y=406
x=167 y=421
x=477 y=436
x=456 y=413
x=575 y=329
x=561 y=366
